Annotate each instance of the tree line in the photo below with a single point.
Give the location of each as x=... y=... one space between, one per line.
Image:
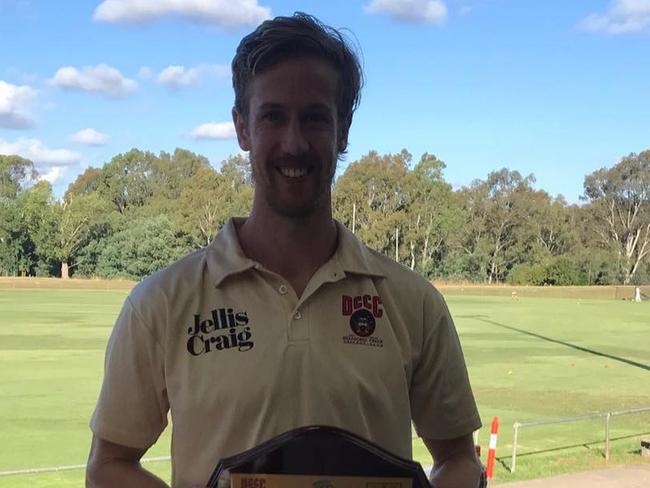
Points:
x=141 y=211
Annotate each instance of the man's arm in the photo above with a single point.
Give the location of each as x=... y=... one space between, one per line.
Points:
x=455 y=463
x=111 y=465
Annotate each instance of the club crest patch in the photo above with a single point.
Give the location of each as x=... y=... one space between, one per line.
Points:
x=363 y=310
x=362 y=323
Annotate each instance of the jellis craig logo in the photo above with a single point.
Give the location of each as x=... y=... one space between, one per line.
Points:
x=224 y=329
x=362 y=310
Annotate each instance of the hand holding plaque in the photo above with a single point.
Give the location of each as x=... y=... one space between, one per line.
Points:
x=317 y=457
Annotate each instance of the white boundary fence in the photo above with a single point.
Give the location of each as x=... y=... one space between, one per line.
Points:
x=534 y=423
x=70 y=467
x=427 y=469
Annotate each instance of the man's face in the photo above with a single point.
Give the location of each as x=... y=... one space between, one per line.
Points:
x=293 y=135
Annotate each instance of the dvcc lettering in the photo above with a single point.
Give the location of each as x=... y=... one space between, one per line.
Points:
x=369 y=302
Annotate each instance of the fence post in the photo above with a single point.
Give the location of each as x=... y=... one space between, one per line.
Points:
x=607 y=417
x=513 y=462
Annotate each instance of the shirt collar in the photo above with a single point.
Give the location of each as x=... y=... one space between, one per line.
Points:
x=227 y=257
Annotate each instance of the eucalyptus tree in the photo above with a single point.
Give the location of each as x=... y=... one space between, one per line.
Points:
x=495 y=210
x=371 y=198
x=78 y=219
x=619 y=201
x=434 y=215
x=17 y=250
x=210 y=197
x=16 y=174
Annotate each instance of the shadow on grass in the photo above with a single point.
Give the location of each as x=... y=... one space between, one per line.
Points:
x=587 y=445
x=482 y=318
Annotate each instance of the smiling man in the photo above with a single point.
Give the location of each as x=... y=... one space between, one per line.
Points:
x=285 y=319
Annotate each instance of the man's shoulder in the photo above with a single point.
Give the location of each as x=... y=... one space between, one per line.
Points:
x=412 y=299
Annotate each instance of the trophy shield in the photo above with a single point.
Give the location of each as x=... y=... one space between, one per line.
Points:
x=317 y=457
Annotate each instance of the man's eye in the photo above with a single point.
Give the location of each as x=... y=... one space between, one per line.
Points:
x=317 y=118
x=271 y=116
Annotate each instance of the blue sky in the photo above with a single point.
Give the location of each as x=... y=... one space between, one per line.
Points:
x=556 y=88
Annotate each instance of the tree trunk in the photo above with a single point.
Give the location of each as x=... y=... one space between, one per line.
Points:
x=397 y=244
x=65 y=273
x=493 y=264
x=425 y=253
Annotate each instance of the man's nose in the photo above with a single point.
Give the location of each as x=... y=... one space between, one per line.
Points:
x=293 y=139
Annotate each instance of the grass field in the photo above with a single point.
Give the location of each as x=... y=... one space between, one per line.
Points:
x=534 y=358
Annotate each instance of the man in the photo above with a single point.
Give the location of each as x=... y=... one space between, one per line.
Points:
x=285 y=319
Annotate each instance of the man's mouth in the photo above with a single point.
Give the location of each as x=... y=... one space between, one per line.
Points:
x=294 y=172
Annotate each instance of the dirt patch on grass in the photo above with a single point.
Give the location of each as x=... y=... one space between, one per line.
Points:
x=447 y=288
x=73 y=284
x=517 y=292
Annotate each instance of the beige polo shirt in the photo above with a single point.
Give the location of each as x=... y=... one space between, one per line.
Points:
x=239 y=358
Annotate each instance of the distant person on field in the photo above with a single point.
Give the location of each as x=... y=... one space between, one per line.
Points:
x=285 y=319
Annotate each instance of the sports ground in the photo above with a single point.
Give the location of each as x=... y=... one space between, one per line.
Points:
x=530 y=357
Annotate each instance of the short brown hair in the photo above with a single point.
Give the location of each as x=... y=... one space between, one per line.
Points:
x=284 y=38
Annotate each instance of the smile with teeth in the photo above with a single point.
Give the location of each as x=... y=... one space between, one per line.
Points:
x=294 y=172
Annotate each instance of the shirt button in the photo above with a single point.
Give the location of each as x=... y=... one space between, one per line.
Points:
x=297 y=315
x=283 y=289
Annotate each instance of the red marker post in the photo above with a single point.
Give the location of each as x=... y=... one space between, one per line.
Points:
x=492 y=448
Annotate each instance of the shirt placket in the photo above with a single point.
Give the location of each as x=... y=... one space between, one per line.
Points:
x=300 y=320
x=297 y=318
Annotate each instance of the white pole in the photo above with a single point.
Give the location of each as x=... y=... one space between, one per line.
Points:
x=354 y=216
x=609 y=416
x=397 y=244
x=513 y=462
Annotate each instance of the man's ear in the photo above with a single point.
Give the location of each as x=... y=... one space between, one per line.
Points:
x=241 y=128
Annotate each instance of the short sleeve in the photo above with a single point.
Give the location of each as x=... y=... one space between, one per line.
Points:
x=442 y=402
x=133 y=405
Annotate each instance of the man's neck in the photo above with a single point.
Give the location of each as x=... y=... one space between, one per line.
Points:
x=292 y=248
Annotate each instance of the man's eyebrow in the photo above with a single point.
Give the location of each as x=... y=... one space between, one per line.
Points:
x=270 y=106
x=312 y=106
x=319 y=107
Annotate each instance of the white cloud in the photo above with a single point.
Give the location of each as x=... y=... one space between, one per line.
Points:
x=215 y=130
x=101 y=79
x=15 y=102
x=54 y=174
x=89 y=137
x=623 y=16
x=50 y=163
x=415 y=11
x=177 y=76
x=226 y=14
x=40 y=154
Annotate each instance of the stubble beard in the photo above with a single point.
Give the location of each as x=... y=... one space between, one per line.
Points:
x=320 y=200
